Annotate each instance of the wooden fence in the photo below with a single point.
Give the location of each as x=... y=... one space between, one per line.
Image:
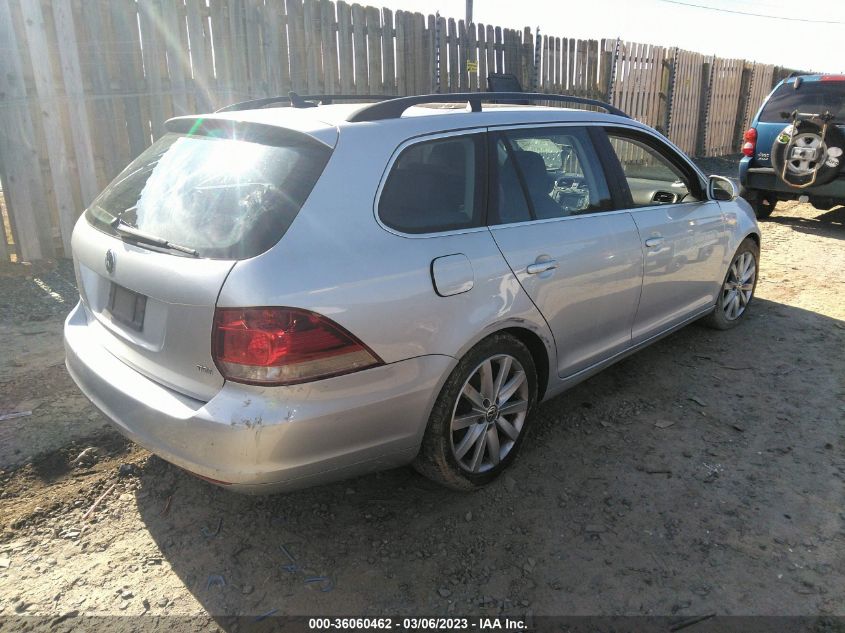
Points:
x=86 y=85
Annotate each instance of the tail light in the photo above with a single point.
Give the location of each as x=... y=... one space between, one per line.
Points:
x=284 y=346
x=749 y=144
x=833 y=78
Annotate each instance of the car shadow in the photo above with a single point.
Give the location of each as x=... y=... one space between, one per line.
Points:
x=827 y=223
x=678 y=463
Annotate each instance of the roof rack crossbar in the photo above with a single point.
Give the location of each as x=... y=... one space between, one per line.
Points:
x=395 y=107
x=295 y=100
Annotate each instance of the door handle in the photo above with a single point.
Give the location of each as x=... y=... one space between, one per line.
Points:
x=654 y=241
x=541 y=267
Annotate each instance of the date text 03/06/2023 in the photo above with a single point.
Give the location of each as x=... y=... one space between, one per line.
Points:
x=417 y=624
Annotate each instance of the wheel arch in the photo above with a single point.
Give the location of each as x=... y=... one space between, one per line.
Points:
x=539 y=354
x=754 y=236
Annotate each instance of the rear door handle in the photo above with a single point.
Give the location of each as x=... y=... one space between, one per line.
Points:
x=541 y=267
x=654 y=241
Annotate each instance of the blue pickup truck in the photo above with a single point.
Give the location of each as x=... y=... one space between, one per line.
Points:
x=794 y=147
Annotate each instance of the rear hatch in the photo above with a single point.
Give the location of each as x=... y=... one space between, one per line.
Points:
x=825 y=93
x=154 y=249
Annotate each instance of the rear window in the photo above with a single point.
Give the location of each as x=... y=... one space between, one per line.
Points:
x=814 y=97
x=225 y=197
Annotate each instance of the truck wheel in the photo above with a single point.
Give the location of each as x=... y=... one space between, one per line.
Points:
x=764 y=206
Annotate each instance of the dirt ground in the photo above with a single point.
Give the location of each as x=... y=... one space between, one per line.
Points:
x=702 y=475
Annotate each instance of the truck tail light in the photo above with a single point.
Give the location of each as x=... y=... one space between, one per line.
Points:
x=749 y=144
x=284 y=346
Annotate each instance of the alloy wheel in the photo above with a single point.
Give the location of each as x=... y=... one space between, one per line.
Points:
x=489 y=414
x=739 y=285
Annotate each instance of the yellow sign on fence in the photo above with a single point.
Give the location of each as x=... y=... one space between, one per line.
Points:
x=472 y=67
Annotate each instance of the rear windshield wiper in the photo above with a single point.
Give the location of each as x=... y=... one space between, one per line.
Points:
x=124 y=228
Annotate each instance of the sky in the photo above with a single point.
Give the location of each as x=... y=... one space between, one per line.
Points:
x=783 y=42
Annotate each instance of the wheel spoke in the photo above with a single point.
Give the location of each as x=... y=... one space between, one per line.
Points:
x=517 y=406
x=735 y=306
x=504 y=370
x=473 y=396
x=485 y=372
x=734 y=275
x=508 y=428
x=743 y=298
x=468 y=440
x=463 y=421
x=478 y=455
x=493 y=444
x=478 y=441
x=511 y=386
x=749 y=274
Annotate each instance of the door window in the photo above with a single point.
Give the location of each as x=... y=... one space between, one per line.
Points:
x=436 y=186
x=546 y=173
x=652 y=178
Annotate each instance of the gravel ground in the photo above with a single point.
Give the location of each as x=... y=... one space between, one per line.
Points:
x=702 y=475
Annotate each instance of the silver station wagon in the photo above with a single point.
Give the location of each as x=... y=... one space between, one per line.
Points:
x=275 y=297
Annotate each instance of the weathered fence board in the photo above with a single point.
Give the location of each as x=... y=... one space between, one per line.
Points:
x=86 y=85
x=726 y=76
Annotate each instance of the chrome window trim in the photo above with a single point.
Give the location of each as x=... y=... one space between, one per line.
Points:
x=421 y=138
x=577 y=216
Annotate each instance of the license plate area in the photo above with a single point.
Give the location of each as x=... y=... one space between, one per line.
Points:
x=127 y=307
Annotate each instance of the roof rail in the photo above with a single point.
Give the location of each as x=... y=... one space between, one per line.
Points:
x=395 y=107
x=299 y=101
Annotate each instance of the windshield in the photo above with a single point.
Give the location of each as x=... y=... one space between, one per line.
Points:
x=816 y=97
x=226 y=198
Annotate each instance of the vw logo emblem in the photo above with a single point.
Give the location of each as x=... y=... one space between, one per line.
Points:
x=110 y=261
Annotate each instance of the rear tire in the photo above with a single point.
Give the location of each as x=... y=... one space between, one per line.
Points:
x=762 y=203
x=764 y=207
x=738 y=287
x=481 y=416
x=823 y=205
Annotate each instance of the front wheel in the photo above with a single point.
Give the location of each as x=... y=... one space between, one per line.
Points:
x=481 y=416
x=738 y=287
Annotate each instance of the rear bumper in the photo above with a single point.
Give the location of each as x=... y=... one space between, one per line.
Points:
x=765 y=179
x=265 y=439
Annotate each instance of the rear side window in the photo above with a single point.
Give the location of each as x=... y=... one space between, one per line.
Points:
x=436 y=186
x=226 y=198
x=816 y=97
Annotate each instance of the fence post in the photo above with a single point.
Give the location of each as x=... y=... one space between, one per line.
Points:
x=23 y=184
x=667 y=93
x=745 y=87
x=537 y=41
x=58 y=159
x=704 y=107
x=437 y=51
x=611 y=80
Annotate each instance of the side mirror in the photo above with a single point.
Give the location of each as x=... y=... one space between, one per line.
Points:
x=721 y=188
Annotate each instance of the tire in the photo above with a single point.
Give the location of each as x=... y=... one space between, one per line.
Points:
x=832 y=147
x=822 y=205
x=764 y=206
x=450 y=446
x=723 y=316
x=762 y=203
